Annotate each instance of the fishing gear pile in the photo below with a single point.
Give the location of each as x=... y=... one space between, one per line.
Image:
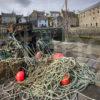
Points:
x=47 y=78
x=44 y=83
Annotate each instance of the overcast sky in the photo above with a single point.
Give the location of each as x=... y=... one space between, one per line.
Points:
x=26 y=6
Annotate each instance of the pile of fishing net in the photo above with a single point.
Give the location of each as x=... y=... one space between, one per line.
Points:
x=43 y=82
x=43 y=78
x=4 y=54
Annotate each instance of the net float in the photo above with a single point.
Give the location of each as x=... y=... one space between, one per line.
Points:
x=65 y=80
x=58 y=56
x=20 y=76
x=38 y=55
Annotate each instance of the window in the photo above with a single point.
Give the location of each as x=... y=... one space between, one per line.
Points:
x=84 y=15
x=96 y=24
x=86 y=25
x=91 y=24
x=45 y=21
x=93 y=18
x=93 y=12
x=90 y=12
x=98 y=11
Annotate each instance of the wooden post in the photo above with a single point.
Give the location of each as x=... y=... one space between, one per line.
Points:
x=66 y=20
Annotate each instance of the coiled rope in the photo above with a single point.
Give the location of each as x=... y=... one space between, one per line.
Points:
x=44 y=82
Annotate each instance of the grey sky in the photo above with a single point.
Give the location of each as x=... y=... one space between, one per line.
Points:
x=26 y=6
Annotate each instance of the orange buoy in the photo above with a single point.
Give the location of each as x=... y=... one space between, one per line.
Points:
x=65 y=80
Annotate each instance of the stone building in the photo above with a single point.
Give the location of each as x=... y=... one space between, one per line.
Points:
x=90 y=17
x=57 y=22
x=8 y=18
x=55 y=18
x=71 y=17
x=38 y=19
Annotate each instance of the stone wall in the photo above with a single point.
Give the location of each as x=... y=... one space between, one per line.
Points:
x=85 y=30
x=90 y=18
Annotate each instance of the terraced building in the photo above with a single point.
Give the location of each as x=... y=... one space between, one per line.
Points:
x=90 y=17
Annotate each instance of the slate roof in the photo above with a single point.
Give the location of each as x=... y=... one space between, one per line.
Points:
x=54 y=12
x=8 y=14
x=42 y=18
x=91 y=7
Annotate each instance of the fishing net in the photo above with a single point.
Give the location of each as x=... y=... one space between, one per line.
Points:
x=43 y=78
x=4 y=54
x=43 y=83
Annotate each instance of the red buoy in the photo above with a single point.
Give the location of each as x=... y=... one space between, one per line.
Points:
x=38 y=55
x=58 y=56
x=65 y=80
x=20 y=76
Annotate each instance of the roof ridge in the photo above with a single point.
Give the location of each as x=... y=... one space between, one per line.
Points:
x=91 y=7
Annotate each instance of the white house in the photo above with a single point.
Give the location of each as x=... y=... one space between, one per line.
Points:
x=42 y=22
x=22 y=20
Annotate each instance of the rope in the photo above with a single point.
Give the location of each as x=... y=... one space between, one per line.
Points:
x=43 y=82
